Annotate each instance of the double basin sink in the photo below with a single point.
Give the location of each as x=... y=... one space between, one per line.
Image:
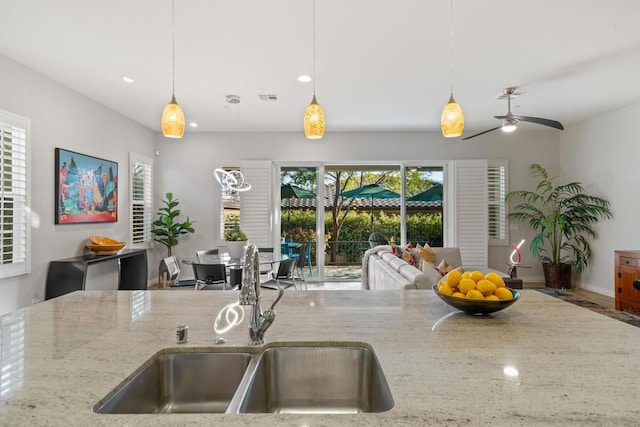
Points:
x=297 y=379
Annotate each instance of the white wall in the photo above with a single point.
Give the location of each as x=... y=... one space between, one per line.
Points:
x=604 y=153
x=185 y=167
x=66 y=119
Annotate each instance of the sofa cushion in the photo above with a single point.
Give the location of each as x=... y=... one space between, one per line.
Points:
x=452 y=255
x=396 y=263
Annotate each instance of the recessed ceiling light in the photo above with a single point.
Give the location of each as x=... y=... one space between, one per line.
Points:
x=193 y=124
x=304 y=78
x=127 y=79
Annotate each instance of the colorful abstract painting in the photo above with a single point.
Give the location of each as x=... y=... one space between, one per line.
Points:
x=86 y=188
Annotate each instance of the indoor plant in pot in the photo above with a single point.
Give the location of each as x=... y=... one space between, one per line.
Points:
x=564 y=218
x=166 y=228
x=236 y=241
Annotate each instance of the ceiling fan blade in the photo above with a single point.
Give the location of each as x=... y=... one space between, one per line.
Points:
x=537 y=120
x=481 y=133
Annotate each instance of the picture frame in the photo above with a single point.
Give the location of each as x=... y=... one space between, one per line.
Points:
x=86 y=188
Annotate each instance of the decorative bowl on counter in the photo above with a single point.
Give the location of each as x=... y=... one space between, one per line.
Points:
x=477 y=306
x=104 y=245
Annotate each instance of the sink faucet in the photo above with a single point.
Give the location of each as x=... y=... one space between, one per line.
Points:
x=259 y=322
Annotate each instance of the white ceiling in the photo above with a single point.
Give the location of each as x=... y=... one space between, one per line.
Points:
x=381 y=65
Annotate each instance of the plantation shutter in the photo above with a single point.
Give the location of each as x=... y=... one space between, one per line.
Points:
x=255 y=204
x=471 y=211
x=141 y=199
x=497 y=209
x=14 y=228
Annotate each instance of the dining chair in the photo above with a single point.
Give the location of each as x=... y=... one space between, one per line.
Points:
x=209 y=274
x=285 y=275
x=376 y=239
x=307 y=256
x=266 y=260
x=204 y=253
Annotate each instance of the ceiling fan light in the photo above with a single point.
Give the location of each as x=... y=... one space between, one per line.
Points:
x=314 y=120
x=173 y=120
x=452 y=120
x=508 y=125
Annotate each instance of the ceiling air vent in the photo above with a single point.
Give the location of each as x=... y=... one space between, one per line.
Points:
x=268 y=97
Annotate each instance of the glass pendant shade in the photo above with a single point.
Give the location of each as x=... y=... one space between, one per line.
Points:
x=452 y=120
x=173 y=120
x=314 y=120
x=508 y=125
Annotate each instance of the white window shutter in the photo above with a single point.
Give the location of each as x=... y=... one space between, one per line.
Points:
x=255 y=204
x=14 y=196
x=141 y=203
x=471 y=211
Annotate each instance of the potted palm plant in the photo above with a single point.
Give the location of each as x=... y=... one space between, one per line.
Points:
x=166 y=229
x=564 y=218
x=236 y=241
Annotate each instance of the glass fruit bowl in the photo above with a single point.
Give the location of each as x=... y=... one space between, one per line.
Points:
x=475 y=306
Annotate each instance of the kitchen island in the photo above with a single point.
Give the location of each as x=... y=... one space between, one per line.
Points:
x=541 y=361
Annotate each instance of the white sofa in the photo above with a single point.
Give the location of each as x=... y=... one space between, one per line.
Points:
x=383 y=270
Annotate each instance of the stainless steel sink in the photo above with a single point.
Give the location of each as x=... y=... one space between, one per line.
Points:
x=313 y=378
x=179 y=383
x=316 y=380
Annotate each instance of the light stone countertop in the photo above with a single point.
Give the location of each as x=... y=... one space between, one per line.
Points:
x=576 y=367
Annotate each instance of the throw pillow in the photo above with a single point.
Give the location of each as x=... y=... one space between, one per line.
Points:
x=404 y=252
x=444 y=267
x=426 y=253
x=431 y=272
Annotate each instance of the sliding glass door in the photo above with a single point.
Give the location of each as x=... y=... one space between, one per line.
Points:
x=331 y=214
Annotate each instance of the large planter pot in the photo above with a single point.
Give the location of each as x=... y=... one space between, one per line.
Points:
x=557 y=275
x=236 y=249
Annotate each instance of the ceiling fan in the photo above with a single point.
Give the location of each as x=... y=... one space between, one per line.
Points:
x=510 y=121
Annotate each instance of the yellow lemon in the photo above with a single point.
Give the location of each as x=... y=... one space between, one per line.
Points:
x=466 y=275
x=495 y=278
x=486 y=287
x=503 y=293
x=477 y=276
x=466 y=285
x=461 y=295
x=474 y=294
x=454 y=277
x=445 y=289
x=491 y=298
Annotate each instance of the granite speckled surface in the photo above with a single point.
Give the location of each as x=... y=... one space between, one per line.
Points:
x=575 y=367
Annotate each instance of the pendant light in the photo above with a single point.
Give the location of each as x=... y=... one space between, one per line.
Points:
x=314 y=116
x=173 y=117
x=452 y=120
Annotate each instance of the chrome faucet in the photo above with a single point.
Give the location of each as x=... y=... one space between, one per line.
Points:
x=259 y=322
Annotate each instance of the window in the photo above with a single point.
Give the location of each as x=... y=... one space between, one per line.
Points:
x=497 y=190
x=141 y=199
x=14 y=169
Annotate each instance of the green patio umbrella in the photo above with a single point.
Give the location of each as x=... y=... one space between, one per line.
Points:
x=290 y=191
x=373 y=191
x=431 y=194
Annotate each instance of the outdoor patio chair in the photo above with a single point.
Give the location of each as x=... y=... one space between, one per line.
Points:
x=284 y=276
x=377 y=239
x=207 y=275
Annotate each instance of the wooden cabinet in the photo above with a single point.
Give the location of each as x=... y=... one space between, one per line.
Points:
x=627 y=280
x=70 y=274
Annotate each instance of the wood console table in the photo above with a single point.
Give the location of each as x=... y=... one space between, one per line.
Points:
x=627 y=280
x=70 y=274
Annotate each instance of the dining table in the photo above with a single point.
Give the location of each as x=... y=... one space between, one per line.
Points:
x=235 y=265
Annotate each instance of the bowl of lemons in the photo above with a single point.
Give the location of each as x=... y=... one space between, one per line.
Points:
x=475 y=292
